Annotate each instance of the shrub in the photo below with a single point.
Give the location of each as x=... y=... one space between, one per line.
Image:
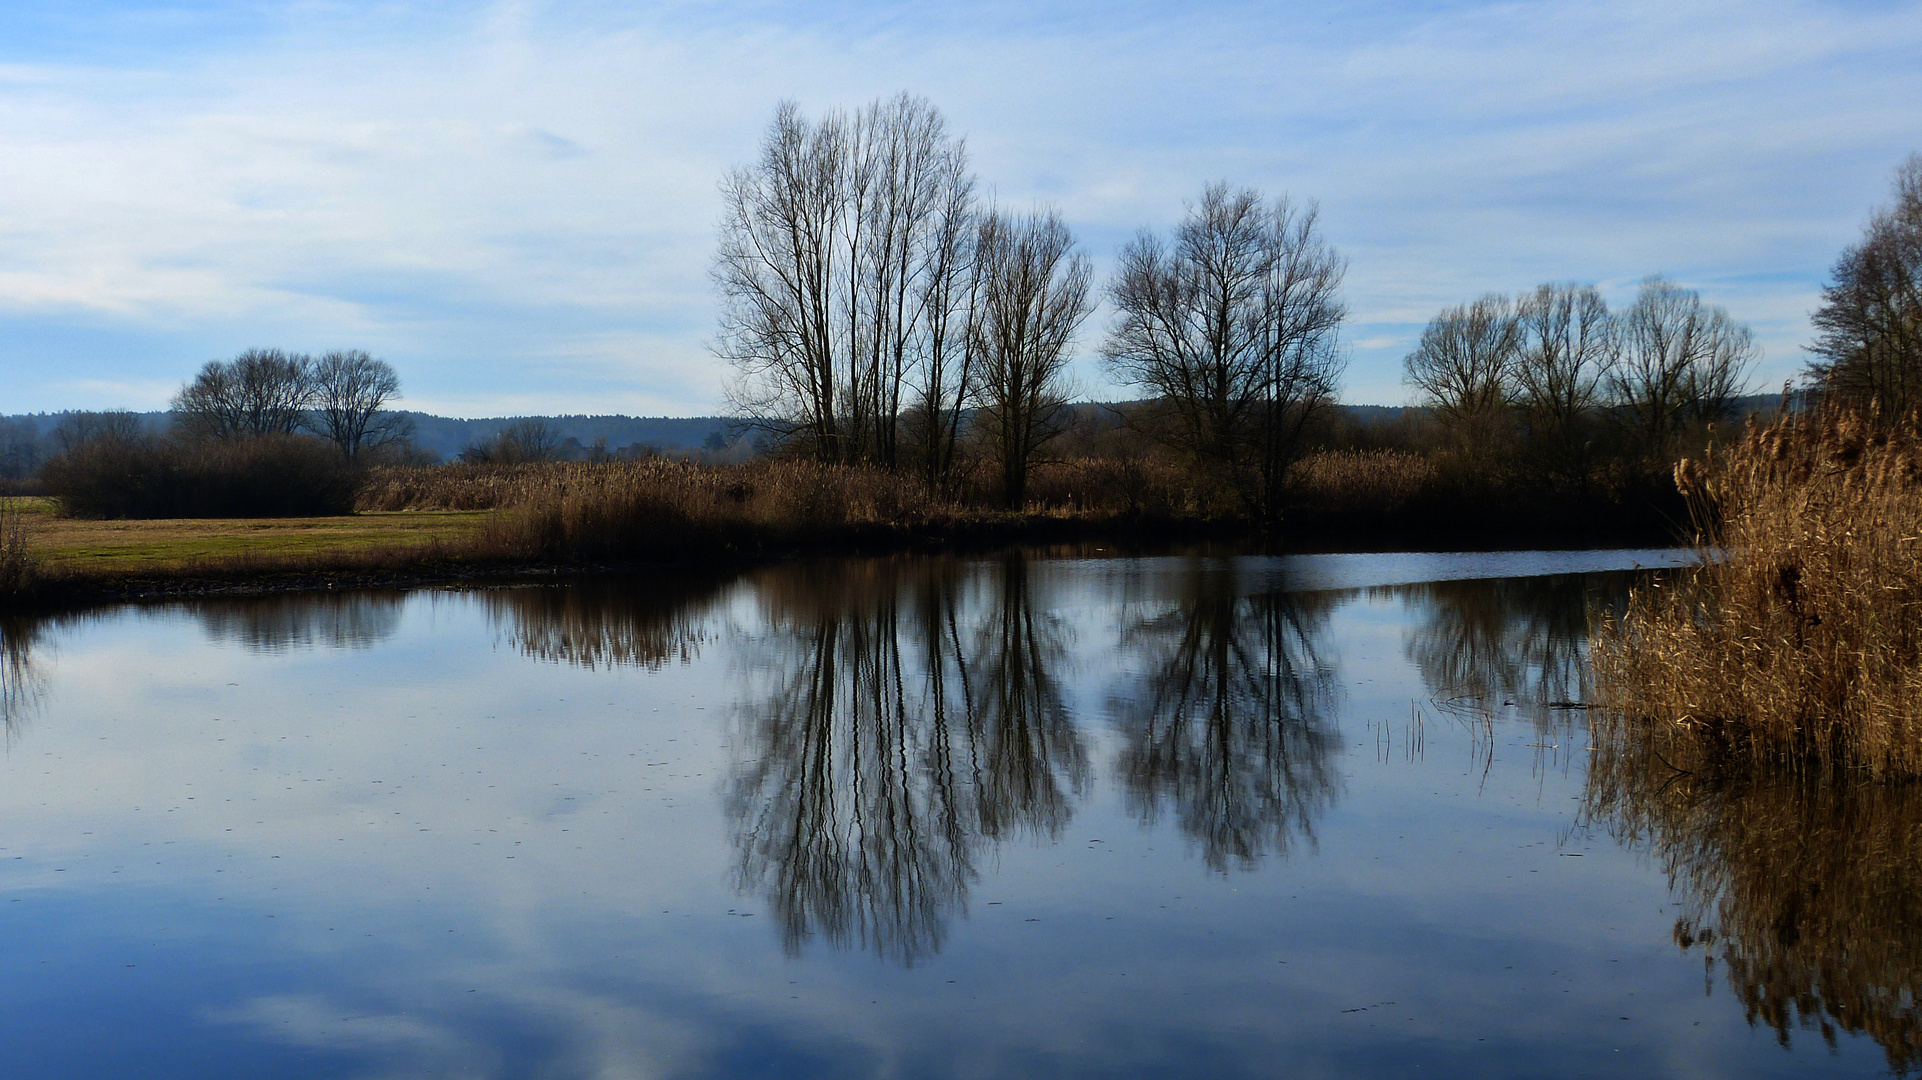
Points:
x=122 y=476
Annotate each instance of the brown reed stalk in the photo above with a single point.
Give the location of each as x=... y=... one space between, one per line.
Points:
x=1798 y=641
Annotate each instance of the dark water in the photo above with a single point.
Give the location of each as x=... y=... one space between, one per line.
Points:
x=1318 y=816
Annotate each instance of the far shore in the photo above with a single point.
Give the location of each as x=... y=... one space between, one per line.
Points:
x=85 y=562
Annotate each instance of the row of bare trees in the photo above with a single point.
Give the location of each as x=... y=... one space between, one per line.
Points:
x=1556 y=361
x=342 y=396
x=871 y=301
x=877 y=310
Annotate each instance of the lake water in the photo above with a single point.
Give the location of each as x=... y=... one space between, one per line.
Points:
x=914 y=817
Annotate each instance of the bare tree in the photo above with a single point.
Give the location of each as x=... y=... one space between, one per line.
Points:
x=77 y=429
x=943 y=382
x=1718 y=373
x=1870 y=321
x=1234 y=326
x=1682 y=362
x=1465 y=365
x=259 y=392
x=779 y=260
x=350 y=394
x=840 y=252
x=526 y=440
x=1567 y=346
x=1031 y=298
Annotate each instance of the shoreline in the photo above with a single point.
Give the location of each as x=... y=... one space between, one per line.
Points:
x=244 y=574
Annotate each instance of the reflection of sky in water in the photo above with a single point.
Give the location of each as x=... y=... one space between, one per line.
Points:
x=413 y=837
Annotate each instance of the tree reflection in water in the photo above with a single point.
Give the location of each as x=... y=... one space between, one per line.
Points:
x=646 y=623
x=1510 y=641
x=1518 y=643
x=1809 y=893
x=1232 y=724
x=21 y=682
x=1027 y=756
x=338 y=620
x=914 y=714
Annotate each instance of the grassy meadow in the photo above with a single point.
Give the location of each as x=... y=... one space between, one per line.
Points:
x=83 y=555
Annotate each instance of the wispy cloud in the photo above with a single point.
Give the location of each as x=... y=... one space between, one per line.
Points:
x=515 y=202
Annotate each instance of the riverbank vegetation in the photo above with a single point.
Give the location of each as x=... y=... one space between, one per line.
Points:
x=1798 y=643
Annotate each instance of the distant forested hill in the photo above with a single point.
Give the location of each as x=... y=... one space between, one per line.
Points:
x=24 y=439
x=447 y=436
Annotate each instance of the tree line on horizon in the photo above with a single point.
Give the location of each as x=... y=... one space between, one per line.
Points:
x=878 y=309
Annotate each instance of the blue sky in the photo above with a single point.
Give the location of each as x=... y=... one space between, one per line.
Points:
x=514 y=203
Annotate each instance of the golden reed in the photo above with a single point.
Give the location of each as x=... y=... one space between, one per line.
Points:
x=1798 y=641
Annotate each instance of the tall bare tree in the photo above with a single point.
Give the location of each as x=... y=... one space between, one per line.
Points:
x=1682 y=363
x=1567 y=345
x=528 y=439
x=943 y=383
x=259 y=392
x=1870 y=321
x=839 y=254
x=1465 y=365
x=1033 y=294
x=351 y=391
x=775 y=269
x=1234 y=327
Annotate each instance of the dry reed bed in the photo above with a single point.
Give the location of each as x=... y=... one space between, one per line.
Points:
x=596 y=513
x=599 y=511
x=1133 y=484
x=1380 y=481
x=661 y=508
x=1798 y=643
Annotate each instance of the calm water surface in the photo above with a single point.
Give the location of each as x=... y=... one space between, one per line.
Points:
x=1308 y=816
